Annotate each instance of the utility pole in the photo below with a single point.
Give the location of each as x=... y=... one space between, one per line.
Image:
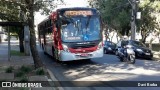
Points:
x=9 y=45
x=134 y=16
x=133 y=20
x=26 y=33
x=27 y=40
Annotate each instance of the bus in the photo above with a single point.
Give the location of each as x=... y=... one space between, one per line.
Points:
x=72 y=34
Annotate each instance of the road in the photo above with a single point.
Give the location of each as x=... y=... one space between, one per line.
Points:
x=107 y=68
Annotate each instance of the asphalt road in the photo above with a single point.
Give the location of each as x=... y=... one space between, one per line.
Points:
x=96 y=73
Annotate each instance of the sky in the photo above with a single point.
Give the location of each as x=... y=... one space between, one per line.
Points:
x=68 y=3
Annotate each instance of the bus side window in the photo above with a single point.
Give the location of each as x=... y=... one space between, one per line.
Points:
x=50 y=21
x=56 y=23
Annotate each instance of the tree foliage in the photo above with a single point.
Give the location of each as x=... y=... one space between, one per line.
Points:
x=8 y=11
x=13 y=10
x=117 y=14
x=148 y=23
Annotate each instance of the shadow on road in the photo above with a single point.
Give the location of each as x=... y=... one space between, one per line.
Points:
x=107 y=68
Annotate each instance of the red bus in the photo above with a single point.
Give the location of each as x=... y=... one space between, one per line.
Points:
x=72 y=34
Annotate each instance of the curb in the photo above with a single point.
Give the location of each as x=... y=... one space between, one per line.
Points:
x=53 y=78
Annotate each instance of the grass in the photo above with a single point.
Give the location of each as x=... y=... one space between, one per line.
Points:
x=155 y=47
x=9 y=69
x=20 y=74
x=24 y=79
x=23 y=88
x=16 y=53
x=40 y=71
x=25 y=69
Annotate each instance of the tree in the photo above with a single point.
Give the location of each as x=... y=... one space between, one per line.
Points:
x=148 y=23
x=29 y=7
x=10 y=12
x=115 y=13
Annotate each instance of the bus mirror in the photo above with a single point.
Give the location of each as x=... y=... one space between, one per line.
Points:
x=76 y=23
x=57 y=25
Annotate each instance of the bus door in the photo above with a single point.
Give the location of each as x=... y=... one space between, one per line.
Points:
x=49 y=38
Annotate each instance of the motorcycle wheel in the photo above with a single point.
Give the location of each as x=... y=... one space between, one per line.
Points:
x=105 y=51
x=116 y=52
x=131 y=59
x=121 y=59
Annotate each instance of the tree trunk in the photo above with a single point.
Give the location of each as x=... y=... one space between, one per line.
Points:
x=112 y=36
x=118 y=35
x=144 y=36
x=34 y=51
x=144 y=39
x=21 y=39
x=150 y=43
x=159 y=38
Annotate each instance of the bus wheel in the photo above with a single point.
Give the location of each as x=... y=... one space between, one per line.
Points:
x=54 y=55
x=42 y=47
x=44 y=51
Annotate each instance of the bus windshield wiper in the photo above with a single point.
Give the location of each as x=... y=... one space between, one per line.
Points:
x=88 y=21
x=68 y=19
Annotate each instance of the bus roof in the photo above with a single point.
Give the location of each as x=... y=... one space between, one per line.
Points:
x=54 y=13
x=77 y=8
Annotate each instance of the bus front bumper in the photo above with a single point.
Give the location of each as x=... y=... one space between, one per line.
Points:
x=68 y=56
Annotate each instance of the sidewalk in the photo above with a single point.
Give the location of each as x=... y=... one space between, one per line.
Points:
x=14 y=60
x=156 y=55
x=18 y=61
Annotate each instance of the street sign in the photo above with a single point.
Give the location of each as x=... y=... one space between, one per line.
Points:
x=138 y=15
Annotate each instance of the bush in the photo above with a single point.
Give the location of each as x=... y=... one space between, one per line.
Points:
x=40 y=71
x=25 y=69
x=20 y=74
x=23 y=88
x=24 y=79
x=16 y=53
x=9 y=69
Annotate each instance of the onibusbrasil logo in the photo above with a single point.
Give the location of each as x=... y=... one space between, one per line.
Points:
x=20 y=84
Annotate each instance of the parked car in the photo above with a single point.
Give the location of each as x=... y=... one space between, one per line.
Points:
x=109 y=47
x=141 y=51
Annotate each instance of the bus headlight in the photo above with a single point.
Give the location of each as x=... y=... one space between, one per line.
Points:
x=65 y=48
x=100 y=45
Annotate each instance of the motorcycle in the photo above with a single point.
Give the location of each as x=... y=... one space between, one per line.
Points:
x=127 y=54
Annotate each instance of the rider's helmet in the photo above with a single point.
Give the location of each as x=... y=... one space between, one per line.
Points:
x=125 y=38
x=124 y=41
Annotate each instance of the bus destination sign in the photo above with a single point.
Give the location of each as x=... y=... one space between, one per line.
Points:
x=77 y=13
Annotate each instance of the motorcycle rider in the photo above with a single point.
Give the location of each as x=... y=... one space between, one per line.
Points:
x=123 y=44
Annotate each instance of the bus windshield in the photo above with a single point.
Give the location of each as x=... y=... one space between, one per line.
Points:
x=81 y=28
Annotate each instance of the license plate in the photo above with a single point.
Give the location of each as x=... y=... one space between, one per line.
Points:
x=84 y=55
x=147 y=53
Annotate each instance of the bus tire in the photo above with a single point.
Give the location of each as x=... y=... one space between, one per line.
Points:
x=42 y=46
x=44 y=51
x=53 y=55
